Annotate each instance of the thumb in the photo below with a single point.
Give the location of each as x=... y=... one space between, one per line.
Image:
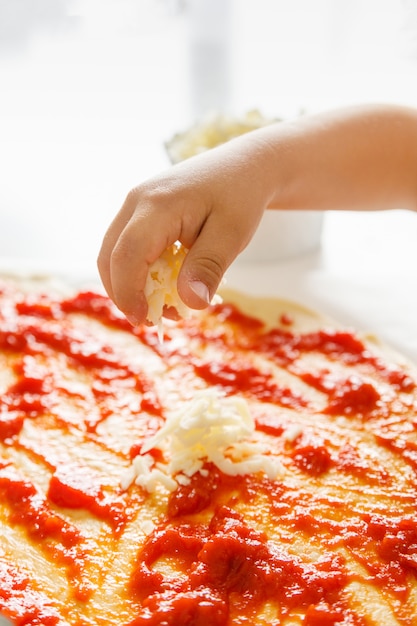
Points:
x=205 y=264
x=200 y=277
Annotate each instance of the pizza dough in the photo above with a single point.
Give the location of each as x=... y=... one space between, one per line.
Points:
x=282 y=449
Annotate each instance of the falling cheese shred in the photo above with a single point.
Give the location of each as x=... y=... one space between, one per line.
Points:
x=210 y=428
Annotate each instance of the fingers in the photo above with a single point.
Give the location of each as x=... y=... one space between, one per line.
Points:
x=128 y=271
x=212 y=204
x=109 y=242
x=216 y=247
x=137 y=236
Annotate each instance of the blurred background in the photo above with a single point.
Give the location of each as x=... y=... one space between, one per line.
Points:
x=91 y=90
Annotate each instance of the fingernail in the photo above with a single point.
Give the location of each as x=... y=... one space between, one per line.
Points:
x=132 y=319
x=200 y=290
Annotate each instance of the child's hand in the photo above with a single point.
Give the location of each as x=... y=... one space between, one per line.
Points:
x=357 y=158
x=212 y=204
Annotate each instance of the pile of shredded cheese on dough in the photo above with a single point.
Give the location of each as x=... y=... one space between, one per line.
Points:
x=210 y=428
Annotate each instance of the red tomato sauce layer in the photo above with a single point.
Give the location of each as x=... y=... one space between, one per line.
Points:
x=222 y=565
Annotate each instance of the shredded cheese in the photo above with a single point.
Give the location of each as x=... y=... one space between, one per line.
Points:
x=292 y=432
x=161 y=284
x=213 y=130
x=210 y=428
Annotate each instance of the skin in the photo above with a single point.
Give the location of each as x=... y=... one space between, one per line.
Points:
x=362 y=158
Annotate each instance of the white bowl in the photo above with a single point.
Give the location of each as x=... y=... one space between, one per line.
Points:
x=282 y=235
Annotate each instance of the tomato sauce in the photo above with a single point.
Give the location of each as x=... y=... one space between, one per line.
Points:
x=241 y=377
x=224 y=566
x=228 y=560
x=77 y=488
x=29 y=605
x=58 y=539
x=315 y=459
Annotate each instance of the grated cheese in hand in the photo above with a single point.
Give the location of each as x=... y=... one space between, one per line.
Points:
x=161 y=284
x=210 y=428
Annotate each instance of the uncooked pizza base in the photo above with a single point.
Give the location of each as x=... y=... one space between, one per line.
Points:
x=330 y=539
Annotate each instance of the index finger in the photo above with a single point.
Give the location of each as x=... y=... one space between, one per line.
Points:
x=137 y=236
x=109 y=241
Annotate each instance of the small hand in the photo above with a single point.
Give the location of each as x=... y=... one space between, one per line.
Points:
x=207 y=203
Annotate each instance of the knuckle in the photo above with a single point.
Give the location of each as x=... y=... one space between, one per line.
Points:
x=122 y=253
x=155 y=192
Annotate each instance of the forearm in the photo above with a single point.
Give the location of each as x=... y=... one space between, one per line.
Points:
x=364 y=158
x=358 y=158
